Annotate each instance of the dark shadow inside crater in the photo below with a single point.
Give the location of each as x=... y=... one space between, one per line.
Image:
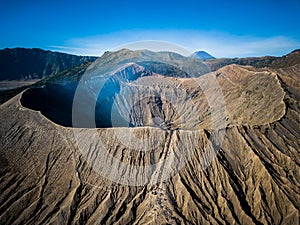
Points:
x=53 y=101
x=56 y=103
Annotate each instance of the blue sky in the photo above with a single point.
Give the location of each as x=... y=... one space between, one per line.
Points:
x=223 y=28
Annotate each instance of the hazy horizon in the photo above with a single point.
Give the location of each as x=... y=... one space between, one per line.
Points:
x=223 y=29
x=102 y=52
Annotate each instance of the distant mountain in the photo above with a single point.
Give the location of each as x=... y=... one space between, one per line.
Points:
x=290 y=59
x=164 y=63
x=113 y=60
x=164 y=69
x=26 y=64
x=202 y=55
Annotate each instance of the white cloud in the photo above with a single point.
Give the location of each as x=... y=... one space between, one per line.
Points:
x=184 y=42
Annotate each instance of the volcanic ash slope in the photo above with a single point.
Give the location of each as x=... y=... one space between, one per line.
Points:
x=253 y=179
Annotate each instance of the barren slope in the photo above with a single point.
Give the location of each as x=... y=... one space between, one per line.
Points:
x=254 y=179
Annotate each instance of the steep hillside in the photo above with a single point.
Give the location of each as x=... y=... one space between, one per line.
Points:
x=27 y=64
x=290 y=59
x=110 y=61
